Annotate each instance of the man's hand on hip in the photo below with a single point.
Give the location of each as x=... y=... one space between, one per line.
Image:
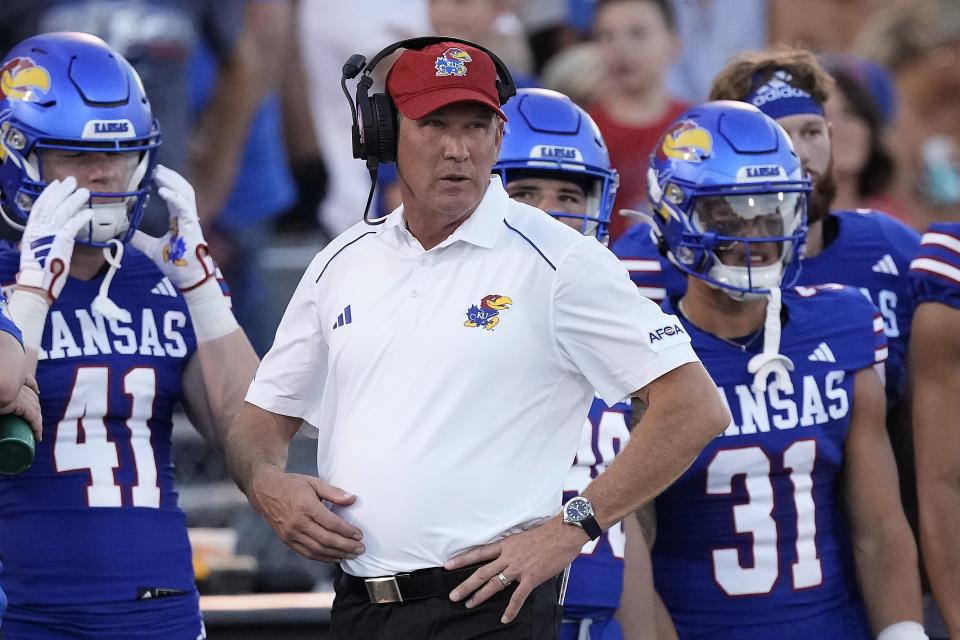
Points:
x=529 y=558
x=293 y=505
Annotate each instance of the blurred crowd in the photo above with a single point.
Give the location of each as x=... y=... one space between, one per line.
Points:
x=248 y=94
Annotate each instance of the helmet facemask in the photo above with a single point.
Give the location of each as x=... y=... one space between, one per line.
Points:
x=751 y=239
x=729 y=199
x=598 y=190
x=117 y=213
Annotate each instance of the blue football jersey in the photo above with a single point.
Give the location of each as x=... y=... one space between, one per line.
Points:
x=596 y=576
x=935 y=272
x=871 y=252
x=653 y=274
x=751 y=534
x=94 y=522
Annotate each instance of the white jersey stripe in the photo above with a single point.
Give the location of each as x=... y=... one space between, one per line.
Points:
x=936 y=266
x=636 y=264
x=654 y=293
x=941 y=239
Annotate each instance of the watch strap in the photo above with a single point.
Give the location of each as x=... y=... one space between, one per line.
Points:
x=592 y=527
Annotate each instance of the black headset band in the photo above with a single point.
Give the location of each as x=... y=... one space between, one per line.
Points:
x=508 y=87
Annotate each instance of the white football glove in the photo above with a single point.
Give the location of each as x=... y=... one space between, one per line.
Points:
x=181 y=253
x=46 y=249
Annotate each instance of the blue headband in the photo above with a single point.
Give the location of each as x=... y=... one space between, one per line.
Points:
x=778 y=98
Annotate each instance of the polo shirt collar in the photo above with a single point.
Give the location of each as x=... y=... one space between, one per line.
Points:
x=480 y=229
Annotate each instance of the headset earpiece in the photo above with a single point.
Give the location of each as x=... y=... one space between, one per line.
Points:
x=385 y=128
x=364 y=119
x=375 y=139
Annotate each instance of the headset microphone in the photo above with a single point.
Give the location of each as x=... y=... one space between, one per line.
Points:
x=351 y=68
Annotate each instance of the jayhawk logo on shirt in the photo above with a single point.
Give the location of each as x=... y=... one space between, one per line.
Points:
x=453 y=62
x=487 y=315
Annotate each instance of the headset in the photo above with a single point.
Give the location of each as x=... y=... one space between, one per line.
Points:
x=375 y=132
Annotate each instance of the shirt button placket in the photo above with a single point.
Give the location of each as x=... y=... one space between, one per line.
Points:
x=416 y=287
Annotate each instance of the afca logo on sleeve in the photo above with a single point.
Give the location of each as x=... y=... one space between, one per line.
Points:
x=95 y=129
x=667 y=335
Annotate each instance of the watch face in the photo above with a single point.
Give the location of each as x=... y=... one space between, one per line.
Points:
x=578 y=509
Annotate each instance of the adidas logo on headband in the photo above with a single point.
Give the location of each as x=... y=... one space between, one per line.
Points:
x=776 y=88
x=777 y=97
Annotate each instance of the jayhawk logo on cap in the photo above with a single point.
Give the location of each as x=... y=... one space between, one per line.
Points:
x=487 y=315
x=21 y=79
x=687 y=141
x=453 y=62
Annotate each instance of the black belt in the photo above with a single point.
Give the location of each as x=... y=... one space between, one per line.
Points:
x=434 y=582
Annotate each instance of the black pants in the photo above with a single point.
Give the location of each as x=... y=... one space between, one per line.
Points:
x=356 y=618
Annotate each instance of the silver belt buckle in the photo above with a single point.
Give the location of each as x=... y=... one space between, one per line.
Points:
x=383 y=590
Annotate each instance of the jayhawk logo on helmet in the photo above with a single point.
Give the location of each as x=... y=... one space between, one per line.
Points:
x=453 y=62
x=21 y=78
x=686 y=141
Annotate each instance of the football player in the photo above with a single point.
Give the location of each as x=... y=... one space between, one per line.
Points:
x=750 y=540
x=865 y=249
x=554 y=158
x=121 y=327
x=935 y=357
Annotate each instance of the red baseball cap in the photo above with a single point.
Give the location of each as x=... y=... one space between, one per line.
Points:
x=423 y=80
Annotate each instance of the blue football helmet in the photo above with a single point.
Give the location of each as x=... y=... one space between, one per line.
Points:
x=548 y=136
x=725 y=182
x=72 y=92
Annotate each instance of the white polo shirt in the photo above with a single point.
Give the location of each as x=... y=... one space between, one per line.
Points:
x=449 y=386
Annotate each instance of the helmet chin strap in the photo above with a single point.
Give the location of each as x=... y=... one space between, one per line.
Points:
x=770 y=360
x=102 y=304
x=109 y=221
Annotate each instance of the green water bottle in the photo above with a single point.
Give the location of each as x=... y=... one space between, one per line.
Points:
x=16 y=444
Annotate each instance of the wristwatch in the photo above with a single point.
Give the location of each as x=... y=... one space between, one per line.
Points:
x=578 y=511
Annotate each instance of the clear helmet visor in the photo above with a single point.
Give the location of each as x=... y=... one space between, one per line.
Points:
x=752 y=237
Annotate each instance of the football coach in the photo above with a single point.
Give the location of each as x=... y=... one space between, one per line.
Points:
x=447 y=355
